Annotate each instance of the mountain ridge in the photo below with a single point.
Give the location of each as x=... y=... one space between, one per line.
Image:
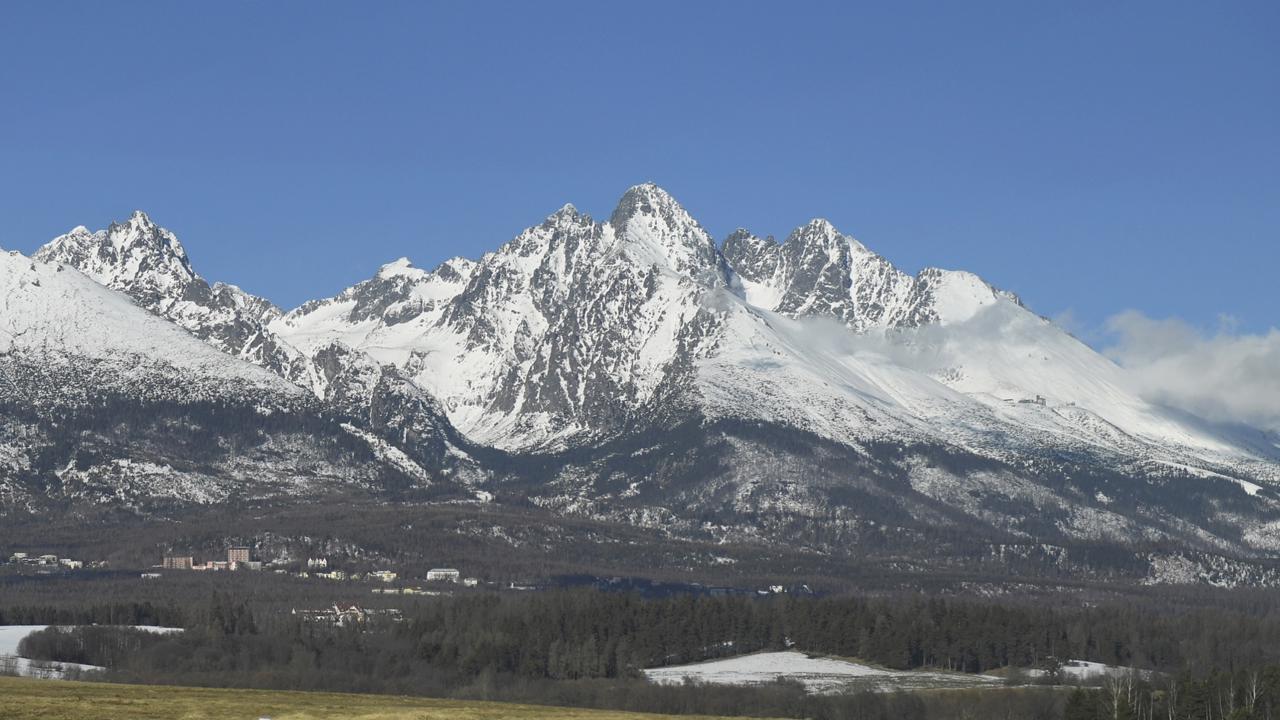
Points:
x=653 y=375
x=105 y=406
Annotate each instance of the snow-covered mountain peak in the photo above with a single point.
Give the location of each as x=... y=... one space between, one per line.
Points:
x=817 y=229
x=819 y=271
x=563 y=220
x=136 y=256
x=589 y=336
x=140 y=231
x=740 y=235
x=566 y=210
x=147 y=262
x=948 y=296
x=647 y=193
x=48 y=308
x=139 y=218
x=454 y=269
x=402 y=267
x=819 y=235
x=243 y=303
x=158 y=415
x=751 y=257
x=659 y=231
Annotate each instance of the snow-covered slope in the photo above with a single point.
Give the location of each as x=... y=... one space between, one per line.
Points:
x=565 y=335
x=149 y=264
x=106 y=404
x=819 y=272
x=575 y=328
x=817 y=674
x=49 y=311
x=809 y=385
x=578 y=333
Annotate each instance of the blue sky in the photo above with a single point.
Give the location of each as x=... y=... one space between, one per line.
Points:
x=1092 y=156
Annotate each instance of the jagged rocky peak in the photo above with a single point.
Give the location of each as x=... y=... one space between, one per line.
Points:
x=251 y=306
x=579 y=333
x=752 y=258
x=819 y=242
x=399 y=292
x=455 y=269
x=820 y=272
x=566 y=212
x=817 y=231
x=147 y=262
x=565 y=227
x=137 y=219
x=55 y=313
x=136 y=256
x=659 y=231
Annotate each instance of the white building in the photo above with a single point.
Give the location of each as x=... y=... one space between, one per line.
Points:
x=443 y=575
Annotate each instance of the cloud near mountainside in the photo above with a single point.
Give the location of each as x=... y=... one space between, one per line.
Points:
x=1225 y=376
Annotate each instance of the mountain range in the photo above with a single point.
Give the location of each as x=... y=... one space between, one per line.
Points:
x=805 y=393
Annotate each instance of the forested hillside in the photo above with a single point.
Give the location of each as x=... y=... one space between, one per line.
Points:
x=588 y=647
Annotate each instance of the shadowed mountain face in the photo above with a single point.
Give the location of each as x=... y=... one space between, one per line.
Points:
x=803 y=391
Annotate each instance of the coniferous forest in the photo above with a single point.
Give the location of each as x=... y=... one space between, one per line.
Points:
x=587 y=648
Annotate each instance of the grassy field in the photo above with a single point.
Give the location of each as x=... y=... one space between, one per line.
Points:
x=21 y=699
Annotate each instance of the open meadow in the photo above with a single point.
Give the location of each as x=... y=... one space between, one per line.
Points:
x=26 y=699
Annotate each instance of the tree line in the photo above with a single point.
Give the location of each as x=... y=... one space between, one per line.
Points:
x=588 y=648
x=1246 y=693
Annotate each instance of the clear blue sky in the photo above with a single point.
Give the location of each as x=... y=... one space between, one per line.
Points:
x=1091 y=156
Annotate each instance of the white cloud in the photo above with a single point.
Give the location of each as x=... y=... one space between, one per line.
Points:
x=1225 y=375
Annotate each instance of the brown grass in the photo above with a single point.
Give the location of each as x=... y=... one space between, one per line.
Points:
x=22 y=698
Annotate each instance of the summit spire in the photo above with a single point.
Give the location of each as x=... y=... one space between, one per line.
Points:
x=661 y=231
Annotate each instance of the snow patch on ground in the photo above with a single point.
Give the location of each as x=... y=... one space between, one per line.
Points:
x=817 y=674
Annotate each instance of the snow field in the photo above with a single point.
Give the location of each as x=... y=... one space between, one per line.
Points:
x=818 y=674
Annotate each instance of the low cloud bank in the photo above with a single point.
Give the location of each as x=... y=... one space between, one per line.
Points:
x=1225 y=376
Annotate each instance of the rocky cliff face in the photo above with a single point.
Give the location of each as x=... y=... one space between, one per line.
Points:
x=803 y=391
x=571 y=333
x=819 y=272
x=149 y=264
x=106 y=408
